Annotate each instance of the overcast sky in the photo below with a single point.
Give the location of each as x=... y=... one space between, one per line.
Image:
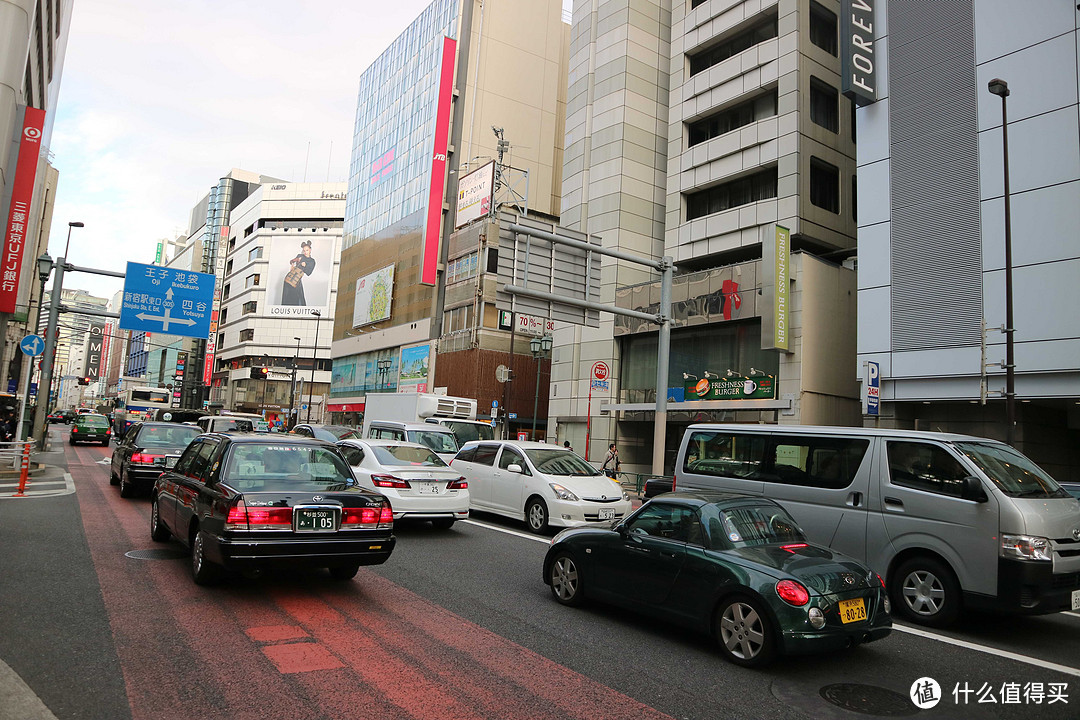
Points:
x=160 y=99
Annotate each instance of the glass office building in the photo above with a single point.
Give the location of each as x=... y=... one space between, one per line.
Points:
x=390 y=172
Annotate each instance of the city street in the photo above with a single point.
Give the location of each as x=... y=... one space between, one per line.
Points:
x=456 y=624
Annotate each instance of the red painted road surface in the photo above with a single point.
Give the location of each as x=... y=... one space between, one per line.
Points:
x=305 y=646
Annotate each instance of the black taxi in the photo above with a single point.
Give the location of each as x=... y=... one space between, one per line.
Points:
x=248 y=501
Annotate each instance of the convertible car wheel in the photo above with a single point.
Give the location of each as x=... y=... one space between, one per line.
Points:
x=744 y=632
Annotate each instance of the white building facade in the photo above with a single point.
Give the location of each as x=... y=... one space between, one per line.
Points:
x=932 y=221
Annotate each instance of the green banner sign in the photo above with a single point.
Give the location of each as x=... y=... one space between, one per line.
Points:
x=157 y=255
x=731 y=388
x=780 y=306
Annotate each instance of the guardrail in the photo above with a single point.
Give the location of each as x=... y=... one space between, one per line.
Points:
x=637 y=480
x=16 y=455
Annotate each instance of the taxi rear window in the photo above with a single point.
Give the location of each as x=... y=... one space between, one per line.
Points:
x=94 y=420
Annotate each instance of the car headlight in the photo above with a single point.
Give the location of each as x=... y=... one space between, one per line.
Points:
x=1025 y=547
x=562 y=493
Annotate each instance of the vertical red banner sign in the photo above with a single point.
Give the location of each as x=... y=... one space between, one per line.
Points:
x=211 y=346
x=22 y=193
x=432 y=233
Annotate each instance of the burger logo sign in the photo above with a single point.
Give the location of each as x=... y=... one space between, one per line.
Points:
x=735 y=387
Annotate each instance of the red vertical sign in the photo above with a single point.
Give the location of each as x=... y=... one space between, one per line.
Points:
x=22 y=192
x=432 y=233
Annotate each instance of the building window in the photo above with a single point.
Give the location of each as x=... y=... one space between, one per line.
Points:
x=247 y=335
x=823 y=28
x=228 y=266
x=759 y=186
x=732 y=118
x=695 y=3
x=251 y=280
x=225 y=292
x=249 y=307
x=254 y=254
x=854 y=199
x=733 y=46
x=224 y=315
x=824 y=105
x=463 y=268
x=824 y=185
x=232 y=244
x=249 y=229
x=457 y=319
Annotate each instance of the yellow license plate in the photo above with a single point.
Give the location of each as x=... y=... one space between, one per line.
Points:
x=852 y=610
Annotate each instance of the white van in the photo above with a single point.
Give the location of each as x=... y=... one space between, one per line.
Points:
x=949 y=520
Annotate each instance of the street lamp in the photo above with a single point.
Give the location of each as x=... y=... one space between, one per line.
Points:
x=292 y=389
x=314 y=361
x=540 y=348
x=383 y=368
x=68 y=243
x=1001 y=89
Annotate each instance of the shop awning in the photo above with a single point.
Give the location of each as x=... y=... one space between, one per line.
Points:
x=346 y=407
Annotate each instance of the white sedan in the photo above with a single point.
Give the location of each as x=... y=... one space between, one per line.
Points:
x=540 y=484
x=418 y=484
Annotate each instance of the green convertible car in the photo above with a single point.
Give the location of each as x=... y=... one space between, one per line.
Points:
x=735 y=566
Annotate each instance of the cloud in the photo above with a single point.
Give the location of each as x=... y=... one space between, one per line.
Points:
x=160 y=99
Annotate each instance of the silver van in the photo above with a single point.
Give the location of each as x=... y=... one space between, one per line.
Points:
x=437 y=437
x=949 y=520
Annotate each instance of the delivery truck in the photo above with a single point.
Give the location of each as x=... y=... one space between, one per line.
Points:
x=456 y=413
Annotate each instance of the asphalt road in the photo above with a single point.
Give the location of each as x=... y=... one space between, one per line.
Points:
x=456 y=624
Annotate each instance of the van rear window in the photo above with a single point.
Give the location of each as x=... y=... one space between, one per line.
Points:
x=826 y=462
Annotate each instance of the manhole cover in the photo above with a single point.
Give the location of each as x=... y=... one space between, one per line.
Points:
x=156 y=554
x=868 y=699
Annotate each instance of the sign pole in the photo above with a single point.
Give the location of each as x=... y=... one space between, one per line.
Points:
x=663 y=353
x=588 y=420
x=50 y=350
x=28 y=371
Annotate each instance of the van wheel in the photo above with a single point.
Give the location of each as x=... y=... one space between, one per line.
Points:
x=925 y=591
x=536 y=515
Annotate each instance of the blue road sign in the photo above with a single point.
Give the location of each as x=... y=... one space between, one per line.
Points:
x=513 y=416
x=32 y=345
x=167 y=300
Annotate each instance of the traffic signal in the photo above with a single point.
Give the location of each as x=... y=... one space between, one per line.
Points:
x=84 y=381
x=260 y=373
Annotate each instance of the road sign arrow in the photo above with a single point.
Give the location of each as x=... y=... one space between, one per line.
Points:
x=165 y=320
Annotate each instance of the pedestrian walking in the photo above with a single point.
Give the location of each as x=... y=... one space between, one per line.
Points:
x=566 y=444
x=611 y=462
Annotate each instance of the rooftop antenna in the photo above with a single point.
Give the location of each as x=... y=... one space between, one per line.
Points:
x=329 y=160
x=308 y=153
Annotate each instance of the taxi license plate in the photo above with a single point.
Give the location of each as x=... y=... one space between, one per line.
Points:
x=1076 y=600
x=428 y=488
x=316 y=520
x=607 y=514
x=852 y=610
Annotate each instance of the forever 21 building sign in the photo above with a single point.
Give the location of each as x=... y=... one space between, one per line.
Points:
x=857 y=51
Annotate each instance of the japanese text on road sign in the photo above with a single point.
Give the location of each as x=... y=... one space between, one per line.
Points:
x=169 y=300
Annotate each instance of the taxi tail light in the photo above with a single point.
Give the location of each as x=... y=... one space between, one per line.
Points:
x=792 y=547
x=459 y=484
x=793 y=593
x=389 y=481
x=242 y=517
x=367 y=518
x=145 y=458
x=674 y=481
x=881 y=580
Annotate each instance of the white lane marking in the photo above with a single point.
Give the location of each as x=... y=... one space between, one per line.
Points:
x=1065 y=669
x=515 y=533
x=1074 y=614
x=35 y=483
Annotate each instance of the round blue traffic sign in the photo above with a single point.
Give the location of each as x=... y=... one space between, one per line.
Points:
x=32 y=345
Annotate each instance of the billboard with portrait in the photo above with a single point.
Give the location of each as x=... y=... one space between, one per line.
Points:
x=298 y=275
x=373 y=295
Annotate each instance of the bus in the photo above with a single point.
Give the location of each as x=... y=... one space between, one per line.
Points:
x=139 y=403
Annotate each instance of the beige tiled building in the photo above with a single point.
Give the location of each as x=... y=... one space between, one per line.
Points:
x=694 y=129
